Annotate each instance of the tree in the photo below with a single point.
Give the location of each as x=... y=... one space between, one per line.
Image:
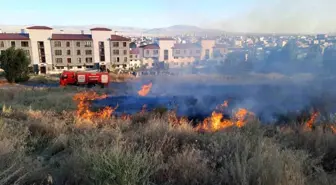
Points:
x=15 y=63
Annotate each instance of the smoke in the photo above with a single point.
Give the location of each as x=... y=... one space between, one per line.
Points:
x=283 y=16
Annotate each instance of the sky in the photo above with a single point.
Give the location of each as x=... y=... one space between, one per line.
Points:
x=228 y=15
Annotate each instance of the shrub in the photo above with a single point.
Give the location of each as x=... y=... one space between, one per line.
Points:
x=15 y=64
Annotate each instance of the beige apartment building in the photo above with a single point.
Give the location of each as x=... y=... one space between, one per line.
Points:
x=186 y=54
x=72 y=51
x=16 y=40
x=120 y=51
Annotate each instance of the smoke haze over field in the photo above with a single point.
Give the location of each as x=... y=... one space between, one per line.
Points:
x=282 y=16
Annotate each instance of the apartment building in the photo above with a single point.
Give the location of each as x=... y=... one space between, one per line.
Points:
x=149 y=54
x=120 y=51
x=50 y=52
x=16 y=40
x=135 y=58
x=186 y=54
x=72 y=51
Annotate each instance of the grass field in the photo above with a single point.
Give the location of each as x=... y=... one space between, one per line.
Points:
x=42 y=141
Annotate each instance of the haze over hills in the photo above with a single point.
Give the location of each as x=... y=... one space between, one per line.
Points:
x=128 y=31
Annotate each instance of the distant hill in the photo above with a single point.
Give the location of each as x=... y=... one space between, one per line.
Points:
x=183 y=29
x=128 y=31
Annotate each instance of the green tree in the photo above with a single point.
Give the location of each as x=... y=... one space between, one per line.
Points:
x=15 y=63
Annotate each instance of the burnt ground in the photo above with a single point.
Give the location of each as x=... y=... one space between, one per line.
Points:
x=269 y=101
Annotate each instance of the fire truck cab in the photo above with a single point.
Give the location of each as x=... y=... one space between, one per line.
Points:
x=82 y=78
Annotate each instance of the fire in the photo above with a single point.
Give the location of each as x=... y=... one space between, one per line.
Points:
x=175 y=120
x=311 y=121
x=223 y=106
x=216 y=121
x=333 y=128
x=83 y=107
x=241 y=116
x=145 y=89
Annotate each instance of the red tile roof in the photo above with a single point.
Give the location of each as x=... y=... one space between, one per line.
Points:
x=101 y=29
x=39 y=28
x=119 y=38
x=13 y=36
x=71 y=37
x=150 y=46
x=135 y=51
x=186 y=46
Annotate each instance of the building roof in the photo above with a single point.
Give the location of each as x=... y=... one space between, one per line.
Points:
x=13 y=36
x=135 y=51
x=71 y=37
x=100 y=29
x=39 y=28
x=150 y=46
x=186 y=46
x=220 y=46
x=119 y=38
x=166 y=38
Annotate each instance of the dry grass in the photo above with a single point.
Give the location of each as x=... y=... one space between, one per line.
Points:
x=40 y=143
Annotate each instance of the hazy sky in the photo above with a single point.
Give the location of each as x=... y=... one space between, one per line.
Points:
x=230 y=15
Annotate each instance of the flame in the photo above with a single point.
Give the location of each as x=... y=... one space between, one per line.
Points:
x=223 y=106
x=174 y=120
x=216 y=121
x=333 y=128
x=311 y=121
x=83 y=107
x=145 y=89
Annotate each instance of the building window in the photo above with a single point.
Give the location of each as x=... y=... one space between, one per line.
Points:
x=147 y=52
x=102 y=58
x=79 y=67
x=115 y=52
x=125 y=52
x=88 y=44
x=88 y=60
x=78 y=44
x=131 y=56
x=58 y=52
x=69 y=60
x=125 y=59
x=12 y=43
x=118 y=59
x=165 y=53
x=2 y=44
x=59 y=60
x=124 y=44
x=115 y=44
x=78 y=52
x=156 y=52
x=88 y=52
x=24 y=44
x=79 y=60
x=177 y=52
x=58 y=44
x=67 y=44
x=68 y=52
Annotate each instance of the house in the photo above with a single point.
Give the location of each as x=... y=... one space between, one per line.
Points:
x=186 y=54
x=120 y=48
x=150 y=54
x=135 y=58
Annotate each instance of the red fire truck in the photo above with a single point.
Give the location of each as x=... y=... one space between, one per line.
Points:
x=82 y=78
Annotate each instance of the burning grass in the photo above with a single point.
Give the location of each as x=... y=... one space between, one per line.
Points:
x=41 y=146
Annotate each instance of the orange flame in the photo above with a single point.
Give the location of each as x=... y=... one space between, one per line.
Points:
x=216 y=122
x=174 y=120
x=223 y=106
x=145 y=89
x=333 y=128
x=83 y=107
x=311 y=121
